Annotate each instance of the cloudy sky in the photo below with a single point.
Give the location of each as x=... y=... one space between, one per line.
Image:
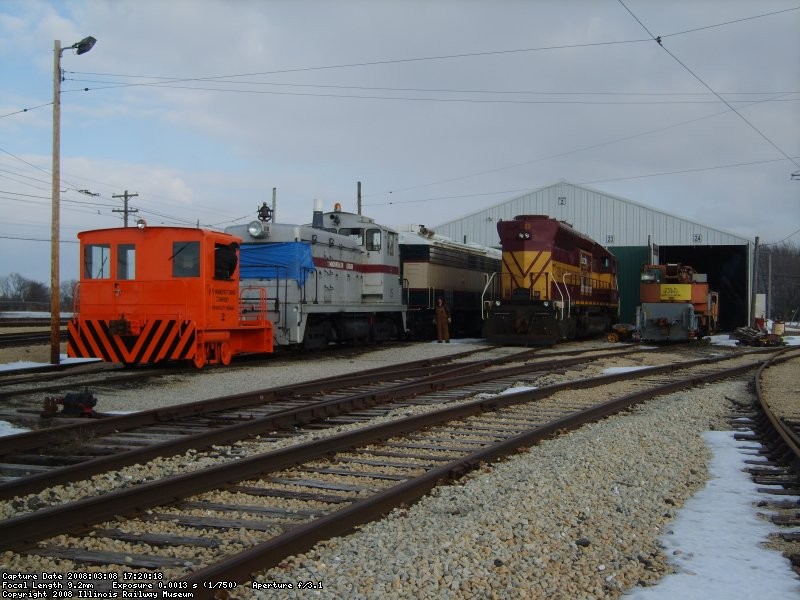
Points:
x=439 y=108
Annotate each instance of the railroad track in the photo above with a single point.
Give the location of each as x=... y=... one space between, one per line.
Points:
x=69 y=376
x=775 y=426
x=785 y=427
x=80 y=448
x=29 y=338
x=209 y=530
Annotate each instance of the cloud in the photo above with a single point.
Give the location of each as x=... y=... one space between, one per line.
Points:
x=439 y=109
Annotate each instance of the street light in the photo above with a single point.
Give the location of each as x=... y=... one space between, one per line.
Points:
x=81 y=47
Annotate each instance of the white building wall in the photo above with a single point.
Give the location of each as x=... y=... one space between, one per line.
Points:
x=610 y=220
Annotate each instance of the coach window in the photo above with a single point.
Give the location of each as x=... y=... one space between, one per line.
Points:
x=186 y=259
x=97 y=261
x=126 y=261
x=373 y=239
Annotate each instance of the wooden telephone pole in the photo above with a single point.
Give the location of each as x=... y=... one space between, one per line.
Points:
x=124 y=208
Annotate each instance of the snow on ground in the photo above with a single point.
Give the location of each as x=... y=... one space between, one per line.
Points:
x=22 y=364
x=8 y=429
x=715 y=540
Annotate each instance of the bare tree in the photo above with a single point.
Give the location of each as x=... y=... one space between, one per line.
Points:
x=779 y=277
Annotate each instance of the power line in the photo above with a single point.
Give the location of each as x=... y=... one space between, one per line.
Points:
x=684 y=171
x=791 y=235
x=371 y=63
x=432 y=58
x=560 y=154
x=769 y=14
x=660 y=174
x=423 y=99
x=27 y=239
x=708 y=87
x=461 y=91
x=24 y=110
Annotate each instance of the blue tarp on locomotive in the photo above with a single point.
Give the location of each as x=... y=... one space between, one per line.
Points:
x=277 y=260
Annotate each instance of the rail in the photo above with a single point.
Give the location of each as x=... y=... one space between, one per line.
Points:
x=788 y=435
x=300 y=463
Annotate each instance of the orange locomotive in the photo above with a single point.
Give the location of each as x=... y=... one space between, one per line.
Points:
x=676 y=304
x=154 y=294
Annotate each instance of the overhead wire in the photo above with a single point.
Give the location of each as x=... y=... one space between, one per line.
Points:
x=444 y=56
x=222 y=79
x=375 y=62
x=426 y=99
x=560 y=154
x=769 y=14
x=626 y=178
x=658 y=40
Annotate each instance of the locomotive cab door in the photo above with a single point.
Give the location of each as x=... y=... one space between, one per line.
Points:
x=586 y=274
x=382 y=267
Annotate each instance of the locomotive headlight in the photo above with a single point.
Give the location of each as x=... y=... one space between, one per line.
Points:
x=255 y=229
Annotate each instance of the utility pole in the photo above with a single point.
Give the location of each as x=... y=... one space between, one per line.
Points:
x=769 y=283
x=124 y=208
x=81 y=47
x=754 y=284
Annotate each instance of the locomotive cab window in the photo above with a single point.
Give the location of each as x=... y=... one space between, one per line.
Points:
x=354 y=233
x=391 y=243
x=225 y=260
x=651 y=276
x=373 y=239
x=186 y=259
x=97 y=261
x=126 y=261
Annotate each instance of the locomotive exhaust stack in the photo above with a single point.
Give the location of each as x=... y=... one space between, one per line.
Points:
x=317 y=222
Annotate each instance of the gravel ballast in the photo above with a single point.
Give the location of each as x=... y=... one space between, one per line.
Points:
x=574 y=517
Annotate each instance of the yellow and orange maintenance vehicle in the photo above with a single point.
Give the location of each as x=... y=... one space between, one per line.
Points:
x=676 y=304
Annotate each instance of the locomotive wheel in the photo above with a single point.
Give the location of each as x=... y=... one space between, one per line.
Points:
x=200 y=356
x=225 y=353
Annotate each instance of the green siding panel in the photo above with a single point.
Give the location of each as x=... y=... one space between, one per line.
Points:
x=629 y=266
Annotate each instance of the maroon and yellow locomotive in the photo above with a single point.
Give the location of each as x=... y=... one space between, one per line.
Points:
x=556 y=283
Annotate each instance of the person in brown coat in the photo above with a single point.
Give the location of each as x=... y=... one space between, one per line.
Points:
x=442 y=321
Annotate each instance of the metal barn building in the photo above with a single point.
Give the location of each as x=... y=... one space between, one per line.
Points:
x=636 y=234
